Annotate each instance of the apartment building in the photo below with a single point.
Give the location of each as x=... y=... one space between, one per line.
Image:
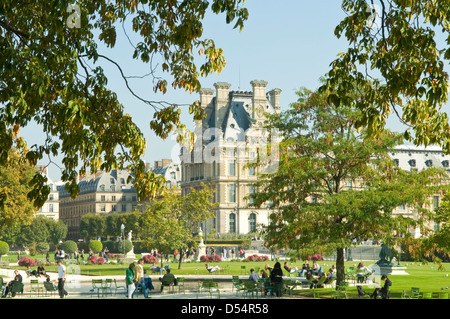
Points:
x=101 y=193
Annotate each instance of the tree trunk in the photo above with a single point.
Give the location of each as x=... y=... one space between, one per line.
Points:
x=340 y=267
x=181 y=254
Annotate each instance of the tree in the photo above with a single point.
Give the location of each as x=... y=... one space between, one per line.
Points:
x=58 y=231
x=4 y=249
x=52 y=74
x=333 y=185
x=15 y=207
x=396 y=59
x=69 y=246
x=172 y=222
x=92 y=225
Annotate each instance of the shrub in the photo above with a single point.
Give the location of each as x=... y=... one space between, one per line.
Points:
x=4 y=248
x=150 y=259
x=94 y=260
x=96 y=246
x=42 y=247
x=27 y=262
x=69 y=246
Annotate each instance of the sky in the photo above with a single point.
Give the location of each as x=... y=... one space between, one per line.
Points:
x=289 y=43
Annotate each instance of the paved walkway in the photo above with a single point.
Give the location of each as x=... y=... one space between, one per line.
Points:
x=79 y=286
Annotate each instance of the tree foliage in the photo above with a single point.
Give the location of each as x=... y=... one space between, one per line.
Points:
x=172 y=222
x=397 y=57
x=334 y=185
x=51 y=74
x=15 y=207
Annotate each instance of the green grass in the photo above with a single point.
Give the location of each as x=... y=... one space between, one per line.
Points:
x=427 y=277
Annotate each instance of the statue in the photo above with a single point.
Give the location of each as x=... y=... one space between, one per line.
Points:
x=385 y=255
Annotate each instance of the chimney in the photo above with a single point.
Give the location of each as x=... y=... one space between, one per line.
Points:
x=206 y=96
x=259 y=98
x=275 y=99
x=222 y=95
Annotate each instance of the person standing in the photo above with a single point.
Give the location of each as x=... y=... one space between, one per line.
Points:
x=61 y=279
x=129 y=279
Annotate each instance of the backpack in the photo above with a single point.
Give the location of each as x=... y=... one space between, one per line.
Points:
x=361 y=291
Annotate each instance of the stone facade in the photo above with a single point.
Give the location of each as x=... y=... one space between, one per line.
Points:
x=229 y=138
x=102 y=193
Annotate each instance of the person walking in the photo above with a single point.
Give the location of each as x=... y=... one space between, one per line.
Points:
x=61 y=279
x=129 y=279
x=139 y=277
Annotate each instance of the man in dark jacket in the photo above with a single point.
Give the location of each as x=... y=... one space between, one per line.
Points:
x=382 y=292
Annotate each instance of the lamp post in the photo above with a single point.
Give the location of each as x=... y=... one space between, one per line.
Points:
x=122 y=229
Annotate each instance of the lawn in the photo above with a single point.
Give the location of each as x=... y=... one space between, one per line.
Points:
x=425 y=276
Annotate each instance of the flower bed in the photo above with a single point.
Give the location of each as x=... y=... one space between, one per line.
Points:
x=210 y=258
x=27 y=262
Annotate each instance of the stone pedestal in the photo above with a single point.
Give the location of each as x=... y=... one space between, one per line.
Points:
x=389 y=269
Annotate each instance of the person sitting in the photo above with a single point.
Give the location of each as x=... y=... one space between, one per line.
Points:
x=316 y=269
x=289 y=269
x=30 y=272
x=168 y=277
x=305 y=268
x=52 y=282
x=384 y=291
x=212 y=268
x=330 y=275
x=148 y=281
x=362 y=273
x=40 y=271
x=253 y=276
x=17 y=278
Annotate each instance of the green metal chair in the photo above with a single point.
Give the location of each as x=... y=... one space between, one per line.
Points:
x=406 y=294
x=180 y=284
x=117 y=287
x=35 y=288
x=415 y=294
x=250 y=288
x=427 y=295
x=443 y=295
x=16 y=288
x=168 y=282
x=49 y=288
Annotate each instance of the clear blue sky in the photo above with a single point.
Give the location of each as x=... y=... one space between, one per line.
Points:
x=288 y=43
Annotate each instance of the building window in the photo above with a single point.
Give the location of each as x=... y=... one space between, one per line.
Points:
x=232 y=193
x=251 y=171
x=252 y=221
x=124 y=208
x=232 y=223
x=103 y=198
x=445 y=163
x=429 y=163
x=251 y=190
x=113 y=198
x=435 y=202
x=50 y=208
x=102 y=208
x=412 y=163
x=232 y=167
x=349 y=184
